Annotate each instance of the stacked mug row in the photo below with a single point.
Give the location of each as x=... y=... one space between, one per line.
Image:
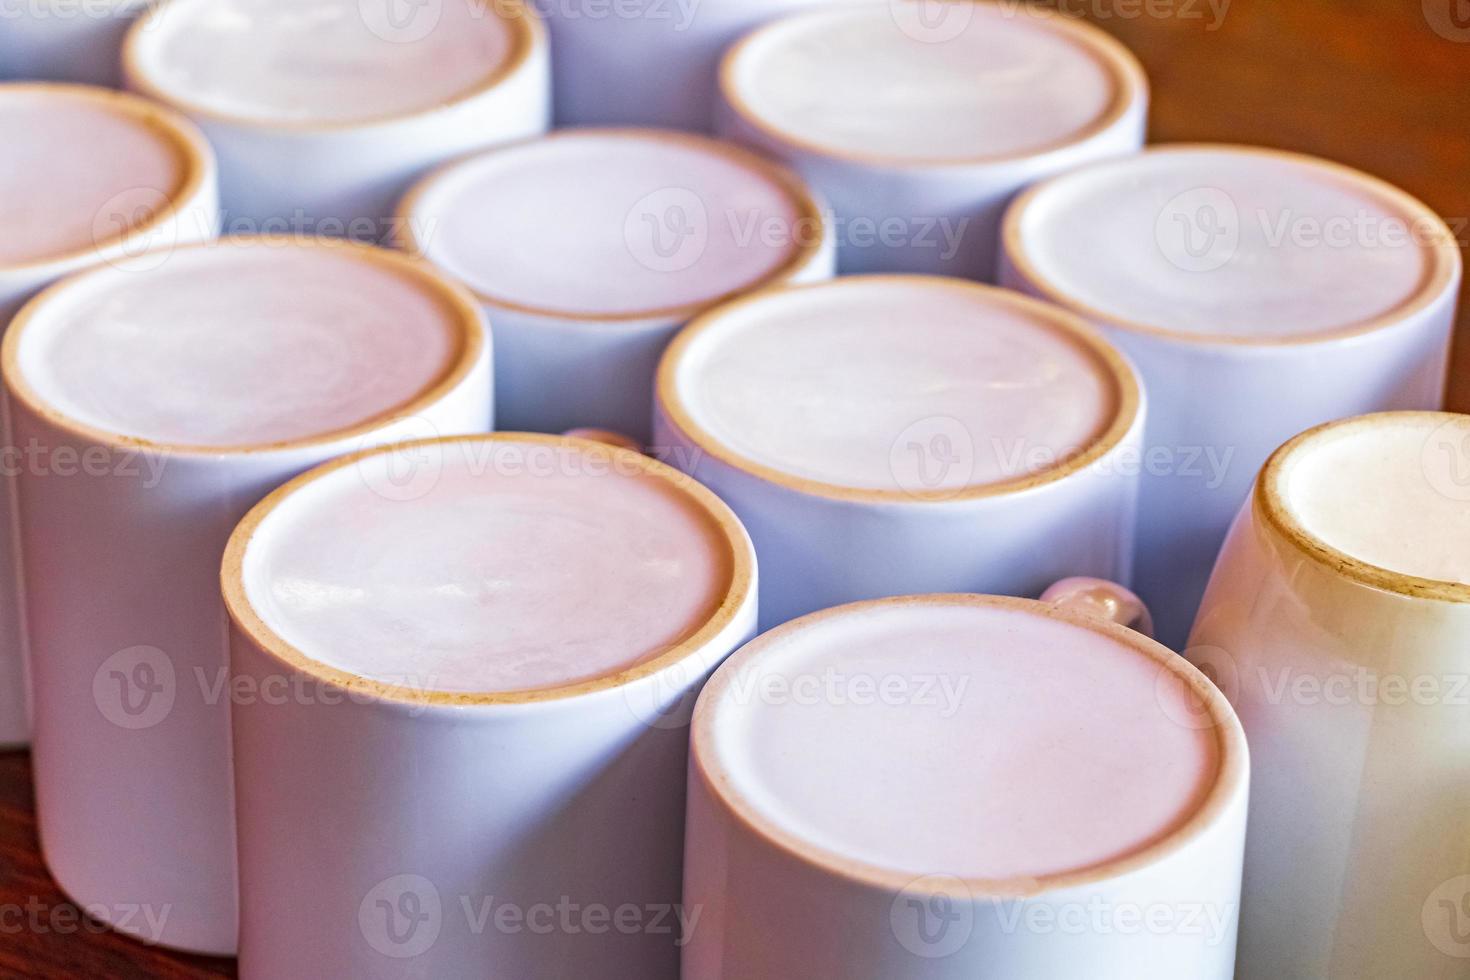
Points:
x=329 y=117
x=448 y=729
x=1256 y=293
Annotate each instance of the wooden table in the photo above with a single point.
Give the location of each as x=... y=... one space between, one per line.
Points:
x=1367 y=82
x=44 y=935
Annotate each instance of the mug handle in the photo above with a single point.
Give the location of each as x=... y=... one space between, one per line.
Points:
x=1099 y=597
x=607 y=437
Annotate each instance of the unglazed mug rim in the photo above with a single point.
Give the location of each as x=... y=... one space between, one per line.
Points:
x=1230 y=773
x=1130 y=83
x=1270 y=505
x=527 y=33
x=458 y=305
x=808 y=208
x=738 y=562
x=1444 y=255
x=177 y=130
x=1127 y=392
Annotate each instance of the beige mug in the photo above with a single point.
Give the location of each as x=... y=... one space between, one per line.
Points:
x=1338 y=623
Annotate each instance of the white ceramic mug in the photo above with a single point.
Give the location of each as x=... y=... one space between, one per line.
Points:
x=461 y=752
x=648 y=62
x=589 y=249
x=66 y=42
x=154 y=409
x=889 y=435
x=1338 y=623
x=918 y=121
x=962 y=786
x=160 y=187
x=68 y=213
x=1259 y=293
x=322 y=122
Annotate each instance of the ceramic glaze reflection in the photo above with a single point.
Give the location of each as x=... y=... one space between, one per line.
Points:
x=243 y=343
x=56 y=198
x=830 y=382
x=611 y=223
x=324 y=61
x=856 y=82
x=1392 y=493
x=1220 y=242
x=1038 y=747
x=527 y=566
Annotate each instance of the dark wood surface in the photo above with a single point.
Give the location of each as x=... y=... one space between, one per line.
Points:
x=1382 y=85
x=44 y=935
x=1369 y=82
